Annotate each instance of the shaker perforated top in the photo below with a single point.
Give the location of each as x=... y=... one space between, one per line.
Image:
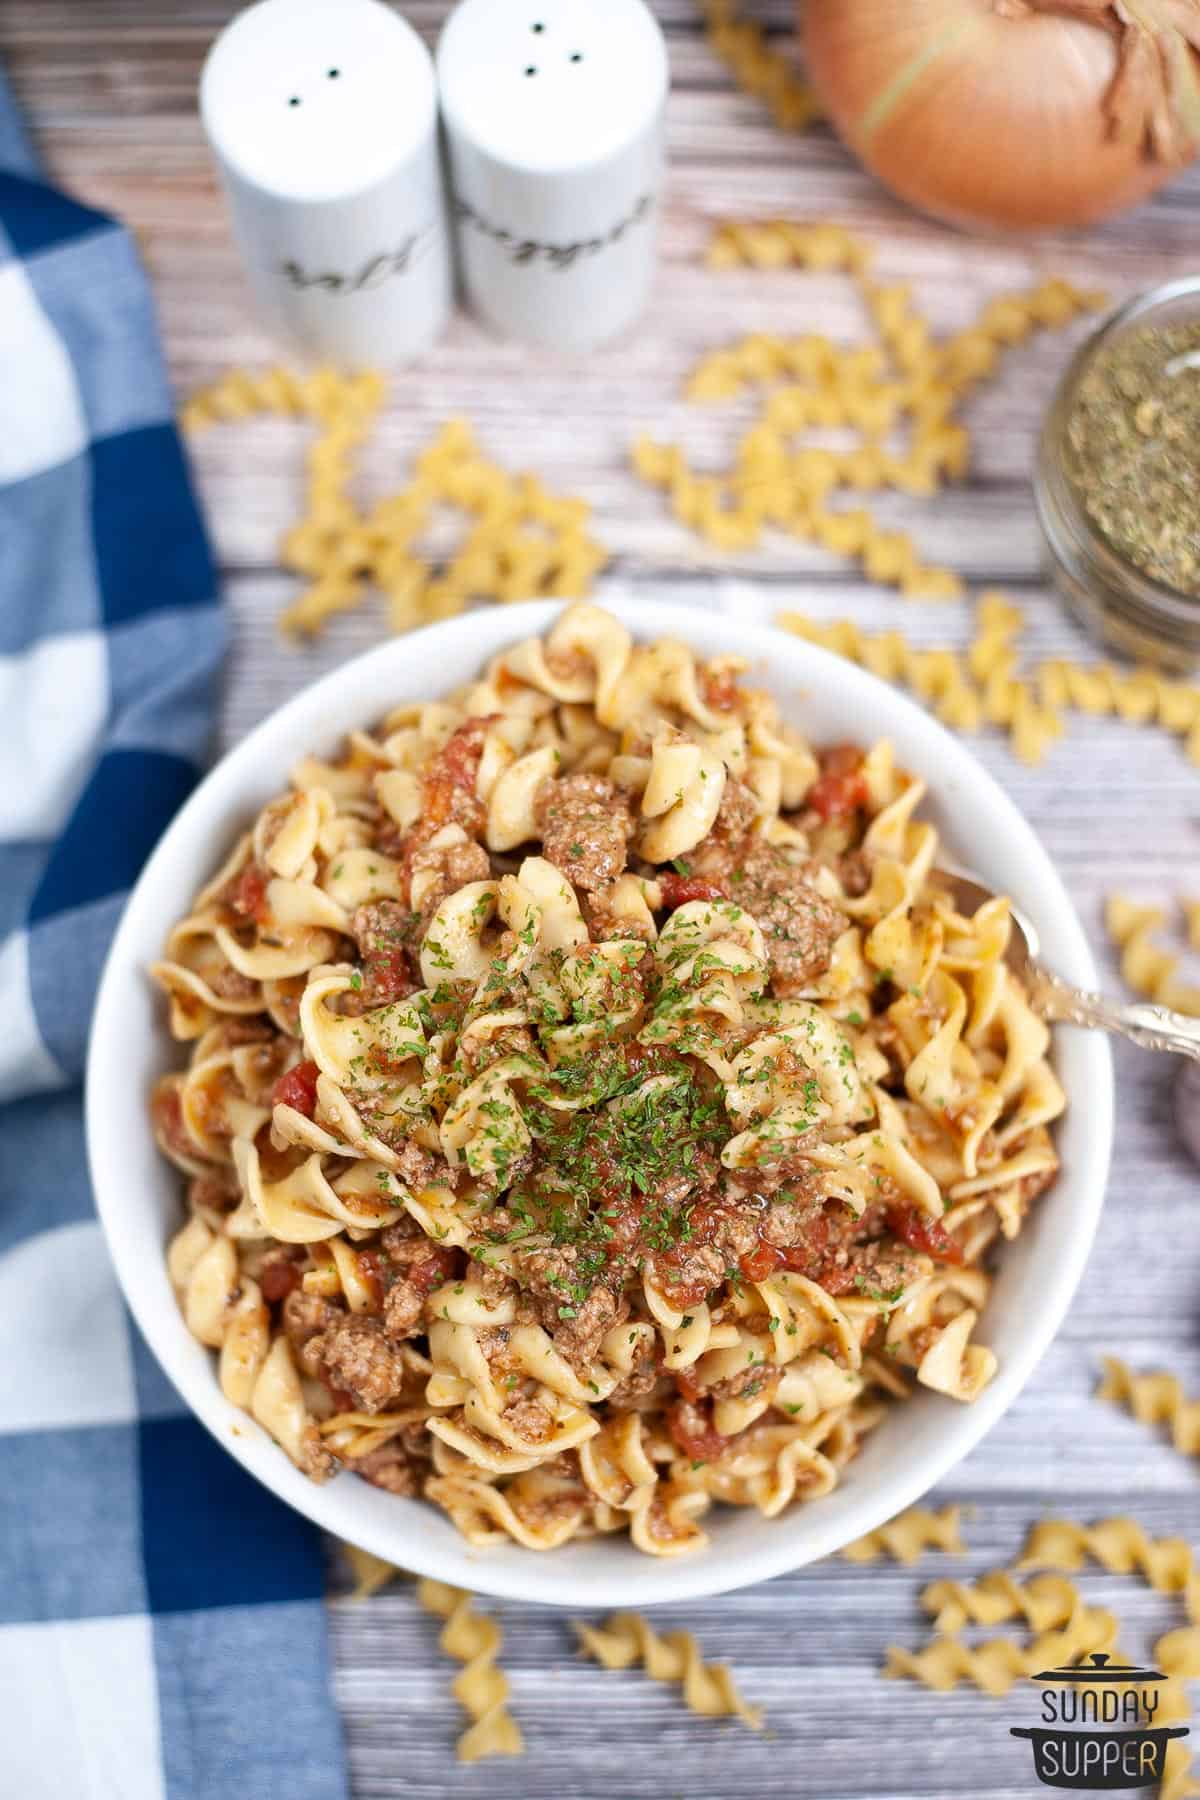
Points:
x=551 y=84
x=312 y=100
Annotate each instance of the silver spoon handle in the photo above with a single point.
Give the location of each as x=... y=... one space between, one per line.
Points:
x=1150 y=1027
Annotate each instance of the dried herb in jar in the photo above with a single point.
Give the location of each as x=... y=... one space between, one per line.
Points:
x=1133 y=450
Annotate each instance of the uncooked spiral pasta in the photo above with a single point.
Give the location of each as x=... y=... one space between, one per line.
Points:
x=474 y=1640
x=1121 y=1546
x=1191 y=913
x=1147 y=967
x=995 y=1665
x=786 y=243
x=1177 y=1782
x=1155 y=1398
x=1177 y=1653
x=985 y=685
x=521 y=541
x=708 y=1688
x=909 y=1535
x=595 y=1111
x=371 y=1573
x=897 y=393
x=756 y=67
x=1045 y=1602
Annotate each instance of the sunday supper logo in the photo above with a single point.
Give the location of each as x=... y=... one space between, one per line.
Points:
x=1098 y=1727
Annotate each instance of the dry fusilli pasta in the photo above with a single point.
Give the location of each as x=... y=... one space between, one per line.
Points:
x=371 y=1572
x=522 y=542
x=241 y=394
x=947 y=680
x=1191 y=914
x=708 y=1688
x=994 y=1666
x=1046 y=1602
x=482 y=1689
x=785 y=244
x=967 y=689
x=1145 y=966
x=1156 y=1398
x=1064 y=1627
x=757 y=68
x=1122 y=1547
x=1177 y=1783
x=1177 y=1653
x=909 y=1535
x=904 y=375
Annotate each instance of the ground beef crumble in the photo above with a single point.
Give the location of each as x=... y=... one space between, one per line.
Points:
x=799 y=925
x=354 y=1355
x=387 y=971
x=401 y=1466
x=317 y=1460
x=228 y=983
x=577 y=1323
x=606 y=926
x=305 y=1318
x=644 y=1377
x=586 y=826
x=403 y=1305
x=453 y=866
x=736 y=813
x=530 y=1420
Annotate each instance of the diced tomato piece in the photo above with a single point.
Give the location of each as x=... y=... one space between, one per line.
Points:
x=840 y=759
x=816 y=1256
x=835 y=1278
x=689 y=1387
x=672 y=1282
x=837 y=796
x=453 y=772
x=920 y=1232
x=677 y=890
x=249 y=893
x=762 y=1261
x=433 y=1269
x=298 y=1089
x=166 y=1111
x=691 y=1427
x=720 y=689
x=841 y=787
x=277 y=1280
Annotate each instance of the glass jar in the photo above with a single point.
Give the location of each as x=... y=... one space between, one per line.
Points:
x=1131 y=611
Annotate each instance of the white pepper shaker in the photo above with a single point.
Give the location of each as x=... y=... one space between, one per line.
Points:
x=322 y=115
x=553 y=112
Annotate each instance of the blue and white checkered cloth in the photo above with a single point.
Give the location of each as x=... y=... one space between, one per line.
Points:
x=161 y=1625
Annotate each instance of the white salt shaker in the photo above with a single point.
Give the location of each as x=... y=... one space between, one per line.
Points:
x=322 y=115
x=553 y=112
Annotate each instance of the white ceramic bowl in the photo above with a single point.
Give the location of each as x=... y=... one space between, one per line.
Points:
x=138 y=1193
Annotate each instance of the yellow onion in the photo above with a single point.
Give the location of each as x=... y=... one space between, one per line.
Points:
x=1011 y=113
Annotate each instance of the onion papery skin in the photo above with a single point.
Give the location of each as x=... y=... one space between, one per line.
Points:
x=981 y=119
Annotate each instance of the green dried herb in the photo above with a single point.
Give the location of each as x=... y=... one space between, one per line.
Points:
x=1132 y=440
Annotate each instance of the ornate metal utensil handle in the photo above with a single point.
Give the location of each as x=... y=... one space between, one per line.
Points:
x=1150 y=1027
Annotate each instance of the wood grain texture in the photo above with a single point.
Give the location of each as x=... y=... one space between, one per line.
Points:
x=110 y=88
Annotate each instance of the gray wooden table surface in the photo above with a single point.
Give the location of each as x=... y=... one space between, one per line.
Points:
x=110 y=87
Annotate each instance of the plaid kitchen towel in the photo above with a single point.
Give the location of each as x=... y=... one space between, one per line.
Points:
x=161 y=1625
